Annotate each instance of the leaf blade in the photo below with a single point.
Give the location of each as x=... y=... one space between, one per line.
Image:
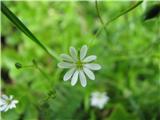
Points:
x=13 y=18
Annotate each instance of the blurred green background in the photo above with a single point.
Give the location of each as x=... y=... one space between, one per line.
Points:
x=129 y=56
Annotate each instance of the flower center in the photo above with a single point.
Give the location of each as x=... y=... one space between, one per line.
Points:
x=8 y=101
x=79 y=65
x=100 y=96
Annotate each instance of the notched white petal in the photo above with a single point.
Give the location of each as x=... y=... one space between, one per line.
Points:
x=14 y=102
x=66 y=57
x=65 y=65
x=82 y=78
x=89 y=73
x=83 y=51
x=68 y=74
x=4 y=97
x=74 y=78
x=2 y=102
x=90 y=58
x=7 y=103
x=3 y=107
x=13 y=106
x=74 y=53
x=11 y=97
x=7 y=107
x=93 y=66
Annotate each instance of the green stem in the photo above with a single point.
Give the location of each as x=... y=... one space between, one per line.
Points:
x=119 y=15
x=41 y=71
x=124 y=12
x=100 y=18
x=13 y=18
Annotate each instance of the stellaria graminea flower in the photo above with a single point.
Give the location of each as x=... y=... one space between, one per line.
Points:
x=99 y=99
x=79 y=66
x=7 y=103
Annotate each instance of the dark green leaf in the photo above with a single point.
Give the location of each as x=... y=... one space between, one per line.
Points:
x=120 y=113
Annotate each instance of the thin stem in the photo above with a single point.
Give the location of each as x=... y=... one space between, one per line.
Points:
x=123 y=12
x=28 y=66
x=116 y=17
x=41 y=71
x=100 y=18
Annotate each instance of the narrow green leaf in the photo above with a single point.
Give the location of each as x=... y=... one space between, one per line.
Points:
x=119 y=112
x=119 y=15
x=124 y=12
x=12 y=17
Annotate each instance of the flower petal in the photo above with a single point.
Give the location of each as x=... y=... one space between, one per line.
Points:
x=68 y=74
x=93 y=66
x=89 y=73
x=5 y=97
x=74 y=78
x=95 y=94
x=83 y=51
x=11 y=106
x=7 y=107
x=65 y=65
x=90 y=58
x=66 y=57
x=11 y=97
x=82 y=78
x=2 y=108
x=15 y=101
x=2 y=101
x=73 y=53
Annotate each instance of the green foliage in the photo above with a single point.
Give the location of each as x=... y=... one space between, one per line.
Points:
x=119 y=111
x=128 y=53
x=22 y=27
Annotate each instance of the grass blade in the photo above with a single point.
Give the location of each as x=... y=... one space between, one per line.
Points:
x=117 y=16
x=13 y=18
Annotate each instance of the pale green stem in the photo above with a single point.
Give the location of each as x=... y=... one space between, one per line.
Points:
x=117 y=16
x=100 y=18
x=41 y=71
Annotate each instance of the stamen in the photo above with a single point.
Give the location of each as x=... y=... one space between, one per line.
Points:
x=79 y=65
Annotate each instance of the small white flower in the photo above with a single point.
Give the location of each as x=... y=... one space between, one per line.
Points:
x=7 y=103
x=99 y=99
x=79 y=66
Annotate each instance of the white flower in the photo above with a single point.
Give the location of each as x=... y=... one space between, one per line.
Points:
x=7 y=103
x=99 y=99
x=79 y=66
